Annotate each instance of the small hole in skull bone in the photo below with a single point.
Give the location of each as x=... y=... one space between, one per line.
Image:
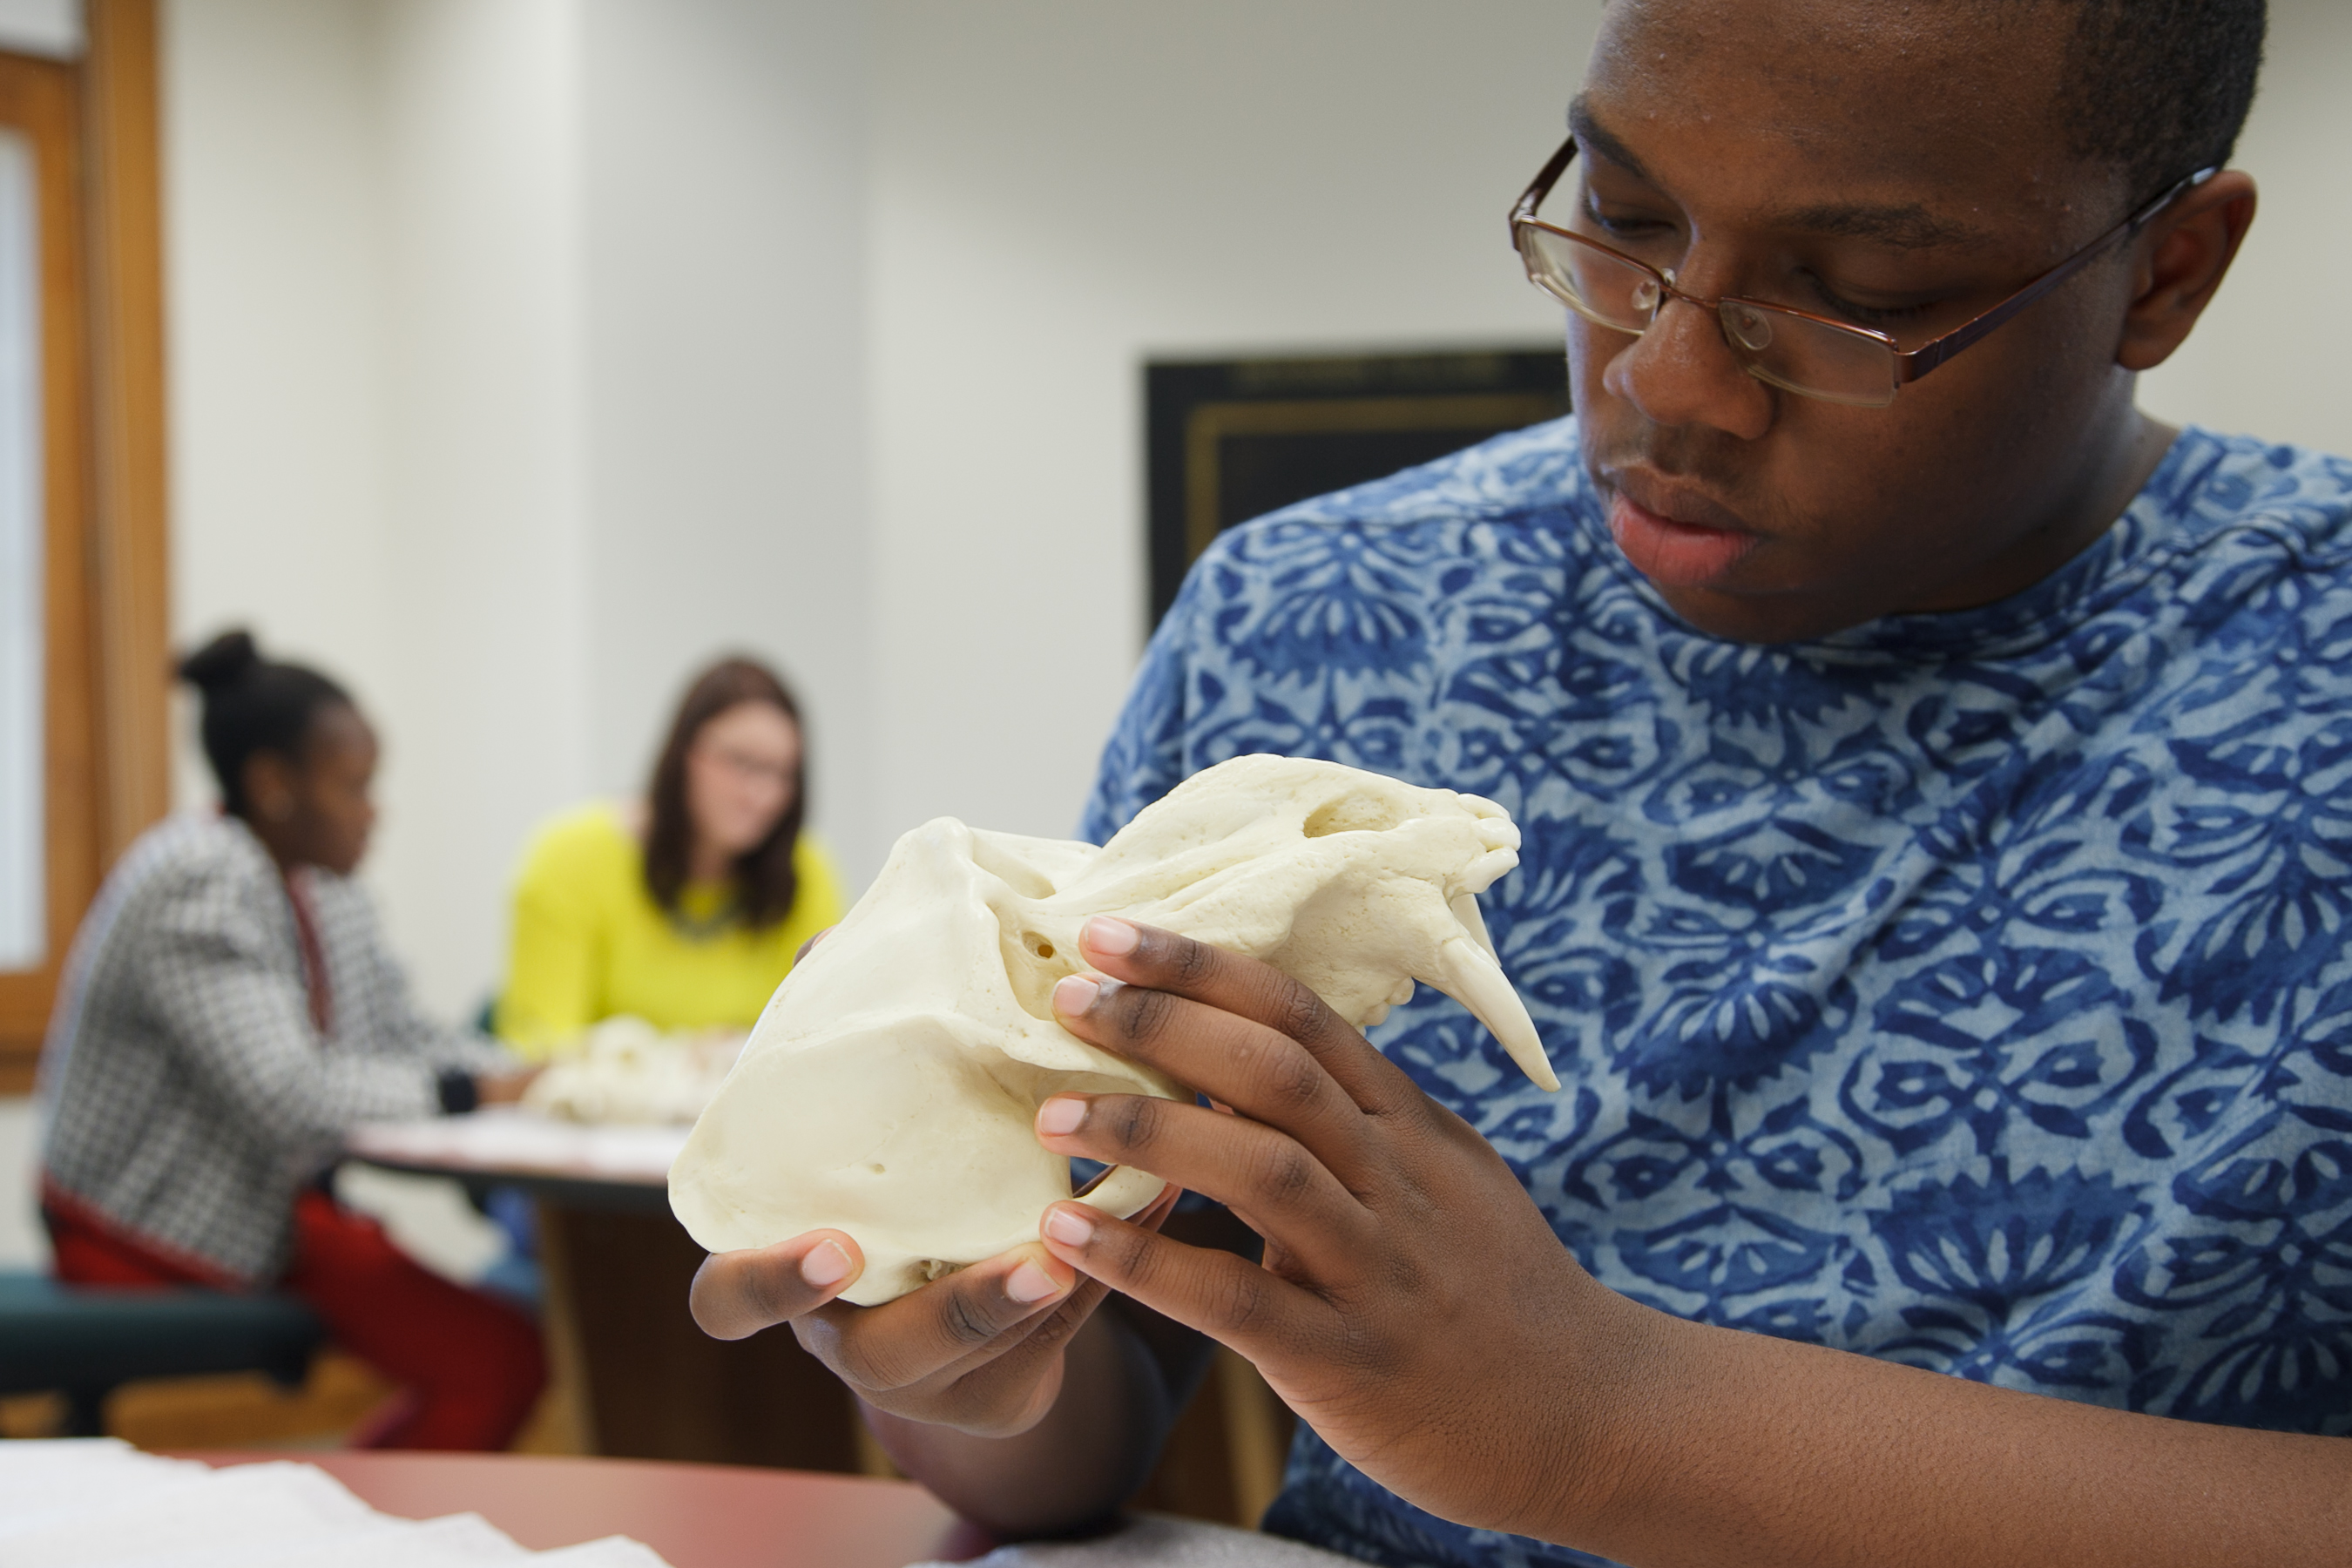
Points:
x=877 y=1168
x=1043 y=948
x=932 y=1269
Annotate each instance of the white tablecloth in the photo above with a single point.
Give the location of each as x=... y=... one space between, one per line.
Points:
x=98 y=1503
x=501 y=1139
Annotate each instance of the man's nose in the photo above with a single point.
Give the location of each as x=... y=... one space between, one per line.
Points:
x=1681 y=372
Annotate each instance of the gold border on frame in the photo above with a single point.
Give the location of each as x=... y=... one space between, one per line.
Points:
x=1210 y=423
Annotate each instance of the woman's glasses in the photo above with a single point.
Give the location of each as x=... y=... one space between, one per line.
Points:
x=1811 y=355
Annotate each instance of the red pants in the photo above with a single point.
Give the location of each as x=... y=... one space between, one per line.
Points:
x=469 y=1366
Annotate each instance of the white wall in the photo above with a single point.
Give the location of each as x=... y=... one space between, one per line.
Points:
x=485 y=546
x=526 y=351
x=370 y=266
x=1061 y=189
x=275 y=224
x=2271 y=354
x=725 y=285
x=515 y=370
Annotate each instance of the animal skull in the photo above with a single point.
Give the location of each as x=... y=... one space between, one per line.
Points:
x=624 y=1071
x=889 y=1088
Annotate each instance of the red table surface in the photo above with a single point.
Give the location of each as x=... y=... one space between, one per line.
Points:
x=696 y=1515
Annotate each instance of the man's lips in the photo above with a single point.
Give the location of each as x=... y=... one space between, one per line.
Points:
x=1678 y=540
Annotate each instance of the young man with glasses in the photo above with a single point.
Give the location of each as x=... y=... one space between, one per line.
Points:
x=1937 y=781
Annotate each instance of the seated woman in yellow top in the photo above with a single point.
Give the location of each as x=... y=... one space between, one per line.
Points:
x=684 y=910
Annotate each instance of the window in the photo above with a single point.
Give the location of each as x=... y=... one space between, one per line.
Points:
x=24 y=537
x=83 y=676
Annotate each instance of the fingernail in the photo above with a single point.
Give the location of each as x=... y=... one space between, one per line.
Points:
x=1029 y=1283
x=1111 y=936
x=825 y=1264
x=1068 y=1226
x=1075 y=994
x=1060 y=1116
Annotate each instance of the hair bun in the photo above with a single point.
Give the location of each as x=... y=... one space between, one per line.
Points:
x=221 y=662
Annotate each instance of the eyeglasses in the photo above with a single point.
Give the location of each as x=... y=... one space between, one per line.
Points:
x=744 y=766
x=1811 y=355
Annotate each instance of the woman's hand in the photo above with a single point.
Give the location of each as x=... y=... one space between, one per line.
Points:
x=504 y=1088
x=1414 y=1306
x=979 y=1350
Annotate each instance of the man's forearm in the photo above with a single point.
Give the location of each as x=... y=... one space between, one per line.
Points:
x=1727 y=1448
x=1087 y=1455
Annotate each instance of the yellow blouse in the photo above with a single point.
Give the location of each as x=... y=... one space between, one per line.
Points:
x=589 y=942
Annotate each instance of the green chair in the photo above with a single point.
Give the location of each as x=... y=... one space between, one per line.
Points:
x=84 y=1341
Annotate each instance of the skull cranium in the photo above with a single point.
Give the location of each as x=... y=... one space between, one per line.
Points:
x=890 y=1087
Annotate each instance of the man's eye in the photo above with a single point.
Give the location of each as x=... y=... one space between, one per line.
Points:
x=1625 y=225
x=1869 y=315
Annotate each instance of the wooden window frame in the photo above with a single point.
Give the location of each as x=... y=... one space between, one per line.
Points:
x=107 y=594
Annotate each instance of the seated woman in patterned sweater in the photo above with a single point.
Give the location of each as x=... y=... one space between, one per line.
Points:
x=1936 y=896
x=229 y=1008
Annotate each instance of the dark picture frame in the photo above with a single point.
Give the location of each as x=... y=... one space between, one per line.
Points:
x=1230 y=439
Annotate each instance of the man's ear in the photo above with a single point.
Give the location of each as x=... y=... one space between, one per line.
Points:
x=2181 y=260
x=269 y=790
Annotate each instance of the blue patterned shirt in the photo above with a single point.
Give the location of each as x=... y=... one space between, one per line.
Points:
x=1967 y=990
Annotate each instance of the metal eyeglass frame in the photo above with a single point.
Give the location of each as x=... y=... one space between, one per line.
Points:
x=1909 y=365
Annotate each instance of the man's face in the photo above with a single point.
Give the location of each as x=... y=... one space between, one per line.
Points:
x=1898 y=166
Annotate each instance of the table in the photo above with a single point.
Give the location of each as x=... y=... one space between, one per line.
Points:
x=600 y=1167
x=648 y=1384
x=645 y=1382
x=696 y=1515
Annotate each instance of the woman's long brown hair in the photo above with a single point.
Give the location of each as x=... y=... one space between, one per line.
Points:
x=765 y=885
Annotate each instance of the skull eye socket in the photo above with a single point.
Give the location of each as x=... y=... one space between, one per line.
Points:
x=1352 y=813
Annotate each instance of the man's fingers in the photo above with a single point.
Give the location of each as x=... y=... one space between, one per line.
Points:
x=736 y=1294
x=1265 y=1076
x=999 y=1381
x=812 y=941
x=1267 y=1178
x=1229 y=1298
x=1014 y=1355
x=1162 y=961
x=953 y=1320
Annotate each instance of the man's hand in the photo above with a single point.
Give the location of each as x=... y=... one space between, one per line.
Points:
x=979 y=1350
x=1414 y=1305
x=1415 y=1308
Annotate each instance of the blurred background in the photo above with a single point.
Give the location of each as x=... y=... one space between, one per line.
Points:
x=524 y=353
x=519 y=355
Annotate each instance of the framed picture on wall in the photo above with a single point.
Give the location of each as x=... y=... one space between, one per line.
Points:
x=1231 y=439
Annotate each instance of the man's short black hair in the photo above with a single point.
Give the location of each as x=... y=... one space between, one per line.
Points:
x=2161 y=87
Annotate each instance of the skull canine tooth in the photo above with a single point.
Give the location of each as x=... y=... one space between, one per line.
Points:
x=1466 y=909
x=890 y=1088
x=1470 y=974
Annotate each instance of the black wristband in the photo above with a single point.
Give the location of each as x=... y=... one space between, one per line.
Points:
x=459 y=1093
